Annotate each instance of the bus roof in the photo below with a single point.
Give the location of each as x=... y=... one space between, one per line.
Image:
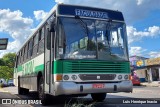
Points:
x=83 y=11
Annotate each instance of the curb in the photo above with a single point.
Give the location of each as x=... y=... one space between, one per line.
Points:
x=143 y=85
x=150 y=85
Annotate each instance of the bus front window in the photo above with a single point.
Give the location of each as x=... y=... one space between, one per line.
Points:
x=92 y=39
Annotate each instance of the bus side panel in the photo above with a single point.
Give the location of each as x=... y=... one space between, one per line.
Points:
x=28 y=72
x=15 y=77
x=29 y=82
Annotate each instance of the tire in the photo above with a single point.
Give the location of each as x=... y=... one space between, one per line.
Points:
x=20 y=90
x=25 y=91
x=98 y=96
x=42 y=96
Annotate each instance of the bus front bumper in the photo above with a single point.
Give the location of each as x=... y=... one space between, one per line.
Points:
x=70 y=88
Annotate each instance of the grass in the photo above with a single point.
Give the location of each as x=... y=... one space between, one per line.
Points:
x=79 y=103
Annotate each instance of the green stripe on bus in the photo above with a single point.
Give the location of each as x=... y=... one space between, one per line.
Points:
x=36 y=69
x=39 y=68
x=20 y=68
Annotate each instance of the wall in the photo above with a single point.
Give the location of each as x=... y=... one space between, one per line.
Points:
x=141 y=74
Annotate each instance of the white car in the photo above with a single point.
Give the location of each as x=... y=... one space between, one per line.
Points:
x=10 y=82
x=3 y=82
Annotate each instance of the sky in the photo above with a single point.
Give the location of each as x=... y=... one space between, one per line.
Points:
x=19 y=18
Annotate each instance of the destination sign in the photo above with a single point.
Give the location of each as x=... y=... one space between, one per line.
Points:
x=88 y=13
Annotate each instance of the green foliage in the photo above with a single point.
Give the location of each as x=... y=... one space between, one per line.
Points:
x=2 y=63
x=7 y=65
x=9 y=59
x=6 y=72
x=79 y=103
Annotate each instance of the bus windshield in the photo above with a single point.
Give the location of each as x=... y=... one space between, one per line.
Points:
x=92 y=39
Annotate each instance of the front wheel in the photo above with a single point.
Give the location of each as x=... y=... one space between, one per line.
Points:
x=42 y=96
x=98 y=96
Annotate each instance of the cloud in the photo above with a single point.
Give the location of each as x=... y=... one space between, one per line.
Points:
x=154 y=54
x=40 y=14
x=134 y=35
x=17 y=26
x=139 y=51
x=133 y=9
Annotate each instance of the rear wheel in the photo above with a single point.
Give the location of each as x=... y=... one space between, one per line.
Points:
x=42 y=96
x=98 y=96
x=20 y=90
x=25 y=91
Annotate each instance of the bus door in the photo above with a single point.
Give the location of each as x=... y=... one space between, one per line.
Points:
x=47 y=60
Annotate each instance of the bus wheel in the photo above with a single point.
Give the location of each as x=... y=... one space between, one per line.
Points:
x=42 y=96
x=98 y=96
x=25 y=91
x=20 y=90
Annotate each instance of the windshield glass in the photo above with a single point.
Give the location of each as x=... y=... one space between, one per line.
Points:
x=91 y=39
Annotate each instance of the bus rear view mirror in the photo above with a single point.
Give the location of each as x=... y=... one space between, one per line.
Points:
x=52 y=26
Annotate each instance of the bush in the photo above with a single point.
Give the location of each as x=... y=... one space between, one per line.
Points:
x=79 y=103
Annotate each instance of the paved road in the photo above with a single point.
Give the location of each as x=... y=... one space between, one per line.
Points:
x=5 y=94
x=112 y=100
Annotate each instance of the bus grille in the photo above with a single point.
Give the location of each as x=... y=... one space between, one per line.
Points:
x=95 y=67
x=97 y=76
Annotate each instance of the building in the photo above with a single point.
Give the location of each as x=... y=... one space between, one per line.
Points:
x=146 y=69
x=153 y=66
x=138 y=66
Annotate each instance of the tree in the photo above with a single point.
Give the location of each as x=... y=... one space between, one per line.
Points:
x=6 y=72
x=7 y=65
x=9 y=59
x=2 y=63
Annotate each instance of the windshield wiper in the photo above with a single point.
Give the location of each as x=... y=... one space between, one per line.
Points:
x=107 y=36
x=83 y=24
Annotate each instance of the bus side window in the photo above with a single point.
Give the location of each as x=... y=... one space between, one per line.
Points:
x=35 y=44
x=16 y=64
x=18 y=61
x=30 y=48
x=21 y=55
x=41 y=41
x=25 y=53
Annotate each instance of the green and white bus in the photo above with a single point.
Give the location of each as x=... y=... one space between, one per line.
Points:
x=76 y=50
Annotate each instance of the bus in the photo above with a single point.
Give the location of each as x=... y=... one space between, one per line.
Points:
x=76 y=50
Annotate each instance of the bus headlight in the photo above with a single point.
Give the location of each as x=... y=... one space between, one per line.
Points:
x=74 y=77
x=66 y=77
x=120 y=77
x=126 y=77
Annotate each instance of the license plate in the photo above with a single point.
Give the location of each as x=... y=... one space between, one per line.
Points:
x=98 y=86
